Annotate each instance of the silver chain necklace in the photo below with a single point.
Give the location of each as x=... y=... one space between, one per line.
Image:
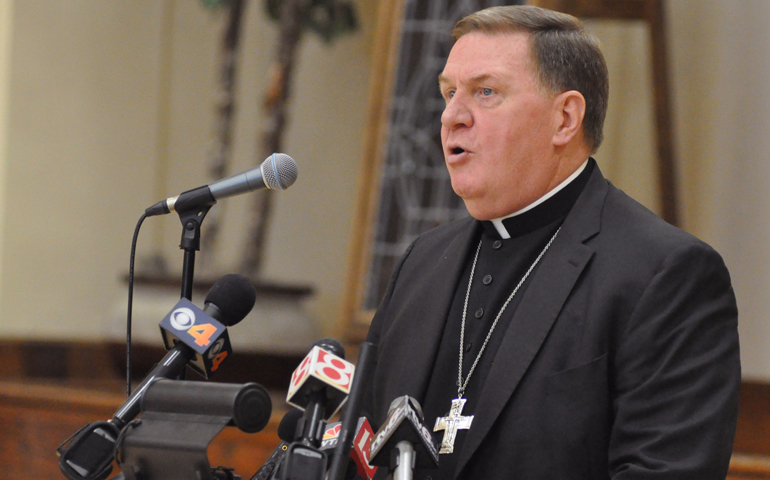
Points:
x=455 y=421
x=460 y=384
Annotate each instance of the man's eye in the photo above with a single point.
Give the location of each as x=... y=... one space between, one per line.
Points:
x=487 y=91
x=450 y=94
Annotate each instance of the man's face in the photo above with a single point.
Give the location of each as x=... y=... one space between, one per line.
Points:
x=497 y=127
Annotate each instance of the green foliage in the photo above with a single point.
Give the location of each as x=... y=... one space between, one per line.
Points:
x=214 y=4
x=329 y=19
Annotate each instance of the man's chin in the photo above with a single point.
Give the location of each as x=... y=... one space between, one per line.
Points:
x=479 y=210
x=475 y=202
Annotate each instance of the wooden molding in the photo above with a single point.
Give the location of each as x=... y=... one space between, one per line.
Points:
x=381 y=81
x=104 y=364
x=264 y=288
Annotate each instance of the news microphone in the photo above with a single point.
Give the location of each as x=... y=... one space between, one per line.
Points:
x=87 y=454
x=319 y=386
x=404 y=442
x=277 y=172
x=355 y=443
x=329 y=442
x=356 y=463
x=286 y=432
x=196 y=337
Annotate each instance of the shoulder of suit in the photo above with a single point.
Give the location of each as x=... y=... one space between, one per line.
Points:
x=633 y=224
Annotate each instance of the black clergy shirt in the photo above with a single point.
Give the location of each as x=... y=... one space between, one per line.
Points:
x=501 y=265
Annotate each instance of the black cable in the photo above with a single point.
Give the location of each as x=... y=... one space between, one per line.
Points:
x=130 y=303
x=122 y=436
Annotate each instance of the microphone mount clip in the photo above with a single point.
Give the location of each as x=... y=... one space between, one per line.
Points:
x=191 y=243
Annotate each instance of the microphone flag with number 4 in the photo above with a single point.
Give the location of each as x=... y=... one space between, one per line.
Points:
x=321 y=370
x=191 y=326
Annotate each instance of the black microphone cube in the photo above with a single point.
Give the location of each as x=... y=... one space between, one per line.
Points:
x=191 y=326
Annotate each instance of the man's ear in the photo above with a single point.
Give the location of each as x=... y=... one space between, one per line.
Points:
x=569 y=110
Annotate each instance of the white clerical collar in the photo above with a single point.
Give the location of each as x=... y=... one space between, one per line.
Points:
x=498 y=222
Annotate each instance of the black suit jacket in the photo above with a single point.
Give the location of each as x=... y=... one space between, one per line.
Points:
x=620 y=362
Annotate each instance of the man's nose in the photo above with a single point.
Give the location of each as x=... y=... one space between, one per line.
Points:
x=456 y=113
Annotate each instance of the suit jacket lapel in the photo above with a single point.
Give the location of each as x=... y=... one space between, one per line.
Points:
x=410 y=365
x=555 y=278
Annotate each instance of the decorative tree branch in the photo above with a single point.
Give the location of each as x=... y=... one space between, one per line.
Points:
x=219 y=154
x=327 y=18
x=276 y=106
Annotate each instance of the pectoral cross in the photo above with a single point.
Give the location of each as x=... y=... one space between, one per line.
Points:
x=451 y=424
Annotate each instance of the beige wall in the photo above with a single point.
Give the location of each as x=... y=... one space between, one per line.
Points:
x=725 y=118
x=6 y=30
x=720 y=72
x=80 y=131
x=89 y=136
x=627 y=155
x=89 y=139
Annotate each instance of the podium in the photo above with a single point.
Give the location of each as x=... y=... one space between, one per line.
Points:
x=36 y=417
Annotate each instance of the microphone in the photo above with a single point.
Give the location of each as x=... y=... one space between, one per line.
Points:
x=357 y=467
x=362 y=447
x=87 y=454
x=277 y=172
x=202 y=342
x=286 y=432
x=355 y=443
x=404 y=441
x=319 y=386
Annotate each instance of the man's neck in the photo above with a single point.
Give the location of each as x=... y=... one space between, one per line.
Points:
x=498 y=222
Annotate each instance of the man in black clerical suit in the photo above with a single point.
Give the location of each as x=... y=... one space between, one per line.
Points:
x=587 y=338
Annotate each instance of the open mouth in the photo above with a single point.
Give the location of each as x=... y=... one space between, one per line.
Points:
x=456 y=150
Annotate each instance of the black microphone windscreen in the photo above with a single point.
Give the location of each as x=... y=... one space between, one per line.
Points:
x=287 y=429
x=234 y=295
x=332 y=346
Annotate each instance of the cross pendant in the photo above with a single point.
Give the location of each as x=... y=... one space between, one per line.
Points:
x=451 y=424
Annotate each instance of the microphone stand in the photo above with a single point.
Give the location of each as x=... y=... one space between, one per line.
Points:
x=350 y=416
x=191 y=242
x=191 y=234
x=404 y=461
x=312 y=422
x=304 y=460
